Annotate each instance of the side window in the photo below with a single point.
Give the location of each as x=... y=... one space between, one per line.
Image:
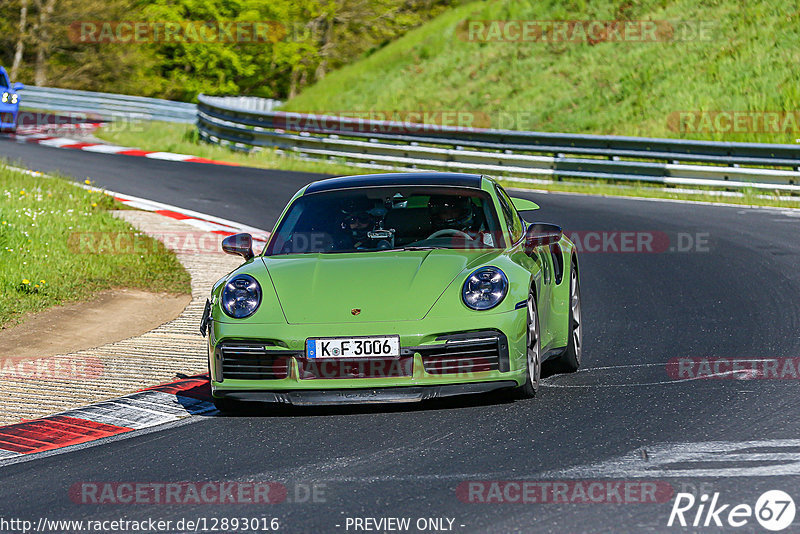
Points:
x=513 y=220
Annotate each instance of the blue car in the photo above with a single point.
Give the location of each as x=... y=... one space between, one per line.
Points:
x=9 y=102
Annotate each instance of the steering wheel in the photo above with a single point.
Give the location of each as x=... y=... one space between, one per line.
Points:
x=449 y=232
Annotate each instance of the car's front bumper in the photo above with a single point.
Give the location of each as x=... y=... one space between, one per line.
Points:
x=332 y=397
x=438 y=358
x=8 y=116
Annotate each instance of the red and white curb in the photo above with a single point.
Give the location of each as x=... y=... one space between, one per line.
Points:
x=144 y=409
x=75 y=144
x=202 y=221
x=147 y=408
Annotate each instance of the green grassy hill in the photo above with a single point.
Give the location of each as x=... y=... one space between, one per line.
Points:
x=748 y=63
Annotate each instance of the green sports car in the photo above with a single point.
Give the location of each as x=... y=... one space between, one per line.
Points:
x=393 y=288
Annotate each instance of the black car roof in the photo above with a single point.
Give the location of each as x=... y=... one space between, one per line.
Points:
x=445 y=179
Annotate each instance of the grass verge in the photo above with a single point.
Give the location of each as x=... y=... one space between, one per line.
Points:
x=40 y=265
x=739 y=59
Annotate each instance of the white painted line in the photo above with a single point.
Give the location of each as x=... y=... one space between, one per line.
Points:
x=58 y=142
x=31 y=137
x=553 y=381
x=169 y=156
x=207 y=226
x=262 y=235
x=154 y=206
x=138 y=205
x=8 y=454
x=676 y=459
x=107 y=149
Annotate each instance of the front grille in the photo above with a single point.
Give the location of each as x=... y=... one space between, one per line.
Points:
x=254 y=362
x=464 y=355
x=314 y=368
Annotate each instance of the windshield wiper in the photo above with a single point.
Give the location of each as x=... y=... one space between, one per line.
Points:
x=431 y=247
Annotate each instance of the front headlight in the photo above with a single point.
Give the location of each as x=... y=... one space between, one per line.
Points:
x=5 y=98
x=14 y=98
x=241 y=296
x=485 y=288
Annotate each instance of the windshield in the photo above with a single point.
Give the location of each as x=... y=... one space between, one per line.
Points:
x=388 y=218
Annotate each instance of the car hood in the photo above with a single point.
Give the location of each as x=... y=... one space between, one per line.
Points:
x=382 y=286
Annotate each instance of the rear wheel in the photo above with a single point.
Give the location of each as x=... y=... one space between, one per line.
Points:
x=533 y=352
x=570 y=360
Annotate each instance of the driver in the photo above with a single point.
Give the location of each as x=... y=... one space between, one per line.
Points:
x=452 y=212
x=356 y=227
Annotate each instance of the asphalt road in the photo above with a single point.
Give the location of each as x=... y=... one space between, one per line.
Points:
x=623 y=418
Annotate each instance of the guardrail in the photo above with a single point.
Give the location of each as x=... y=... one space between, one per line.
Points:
x=538 y=155
x=107 y=106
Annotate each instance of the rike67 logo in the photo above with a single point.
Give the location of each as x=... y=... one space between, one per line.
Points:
x=774 y=510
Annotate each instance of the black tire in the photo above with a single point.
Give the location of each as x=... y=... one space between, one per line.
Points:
x=533 y=362
x=570 y=359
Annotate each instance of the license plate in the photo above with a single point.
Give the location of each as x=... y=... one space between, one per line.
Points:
x=353 y=347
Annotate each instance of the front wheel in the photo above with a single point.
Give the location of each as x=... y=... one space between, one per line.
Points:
x=533 y=352
x=570 y=360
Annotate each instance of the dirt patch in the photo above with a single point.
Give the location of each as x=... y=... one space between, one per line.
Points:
x=113 y=316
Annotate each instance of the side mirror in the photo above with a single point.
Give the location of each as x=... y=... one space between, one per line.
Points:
x=523 y=204
x=239 y=245
x=17 y=86
x=541 y=235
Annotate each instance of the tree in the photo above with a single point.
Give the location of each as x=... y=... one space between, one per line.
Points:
x=20 y=46
x=42 y=39
x=307 y=39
